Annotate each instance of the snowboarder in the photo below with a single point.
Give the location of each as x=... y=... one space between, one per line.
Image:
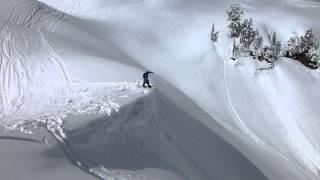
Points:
x=146 y=79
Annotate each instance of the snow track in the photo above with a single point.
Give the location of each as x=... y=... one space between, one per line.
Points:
x=259 y=142
x=28 y=65
x=296 y=139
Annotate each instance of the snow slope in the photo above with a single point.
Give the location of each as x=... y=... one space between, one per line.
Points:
x=271 y=117
x=27 y=157
x=151 y=132
x=29 y=66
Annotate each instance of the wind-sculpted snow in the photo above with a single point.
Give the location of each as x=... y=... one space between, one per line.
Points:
x=80 y=8
x=29 y=66
x=33 y=14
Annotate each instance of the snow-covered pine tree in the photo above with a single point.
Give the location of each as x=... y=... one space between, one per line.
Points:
x=273 y=42
x=292 y=47
x=256 y=44
x=304 y=49
x=275 y=46
x=307 y=41
x=247 y=36
x=278 y=49
x=314 y=54
x=234 y=18
x=267 y=53
x=214 y=35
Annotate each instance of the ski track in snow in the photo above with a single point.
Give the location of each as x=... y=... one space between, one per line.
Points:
x=22 y=71
x=308 y=164
x=255 y=139
x=296 y=140
x=293 y=135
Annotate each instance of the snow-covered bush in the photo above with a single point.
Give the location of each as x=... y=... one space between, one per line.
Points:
x=234 y=18
x=267 y=54
x=304 y=49
x=247 y=36
x=214 y=35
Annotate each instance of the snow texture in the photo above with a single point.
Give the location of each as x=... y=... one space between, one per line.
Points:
x=208 y=118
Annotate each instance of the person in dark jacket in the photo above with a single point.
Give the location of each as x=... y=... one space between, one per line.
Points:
x=146 y=82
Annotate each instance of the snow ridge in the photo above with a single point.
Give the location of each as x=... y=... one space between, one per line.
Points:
x=103 y=99
x=33 y=14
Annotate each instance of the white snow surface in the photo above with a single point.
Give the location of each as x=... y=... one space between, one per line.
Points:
x=68 y=65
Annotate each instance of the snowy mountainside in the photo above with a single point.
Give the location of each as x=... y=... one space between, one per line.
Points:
x=271 y=117
x=29 y=66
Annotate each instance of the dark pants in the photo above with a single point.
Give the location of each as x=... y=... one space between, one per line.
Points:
x=146 y=82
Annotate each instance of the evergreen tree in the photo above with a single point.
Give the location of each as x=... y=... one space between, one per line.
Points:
x=292 y=48
x=273 y=42
x=234 y=18
x=267 y=54
x=214 y=35
x=235 y=49
x=256 y=44
x=278 y=50
x=304 y=49
x=307 y=41
x=247 y=36
x=275 y=46
x=314 y=54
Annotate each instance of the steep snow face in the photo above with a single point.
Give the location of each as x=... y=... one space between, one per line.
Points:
x=29 y=67
x=276 y=113
x=152 y=132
